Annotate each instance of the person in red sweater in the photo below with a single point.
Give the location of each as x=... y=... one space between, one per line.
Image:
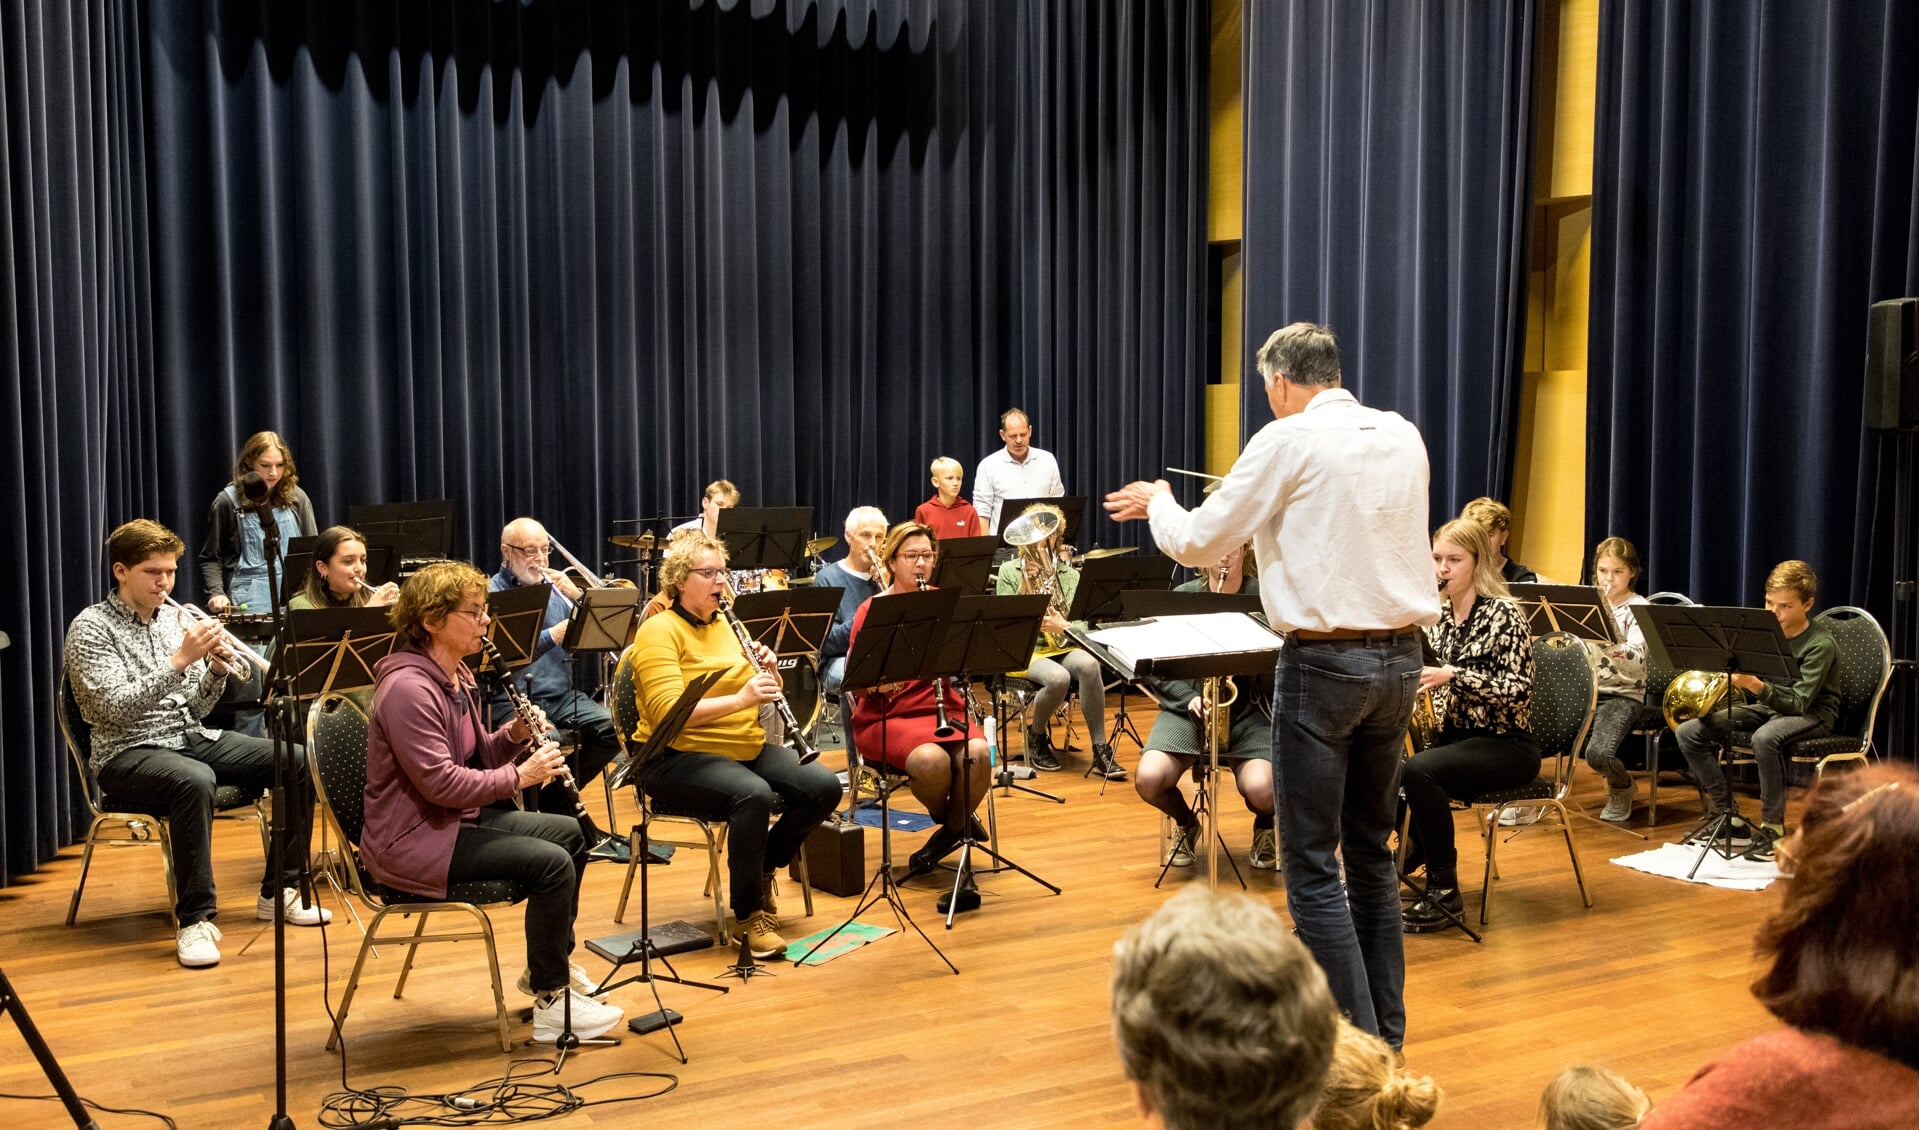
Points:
x=946 y=513
x=1844 y=976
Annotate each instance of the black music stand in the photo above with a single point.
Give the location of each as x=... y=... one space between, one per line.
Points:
x=382 y=563
x=1199 y=655
x=1579 y=610
x=604 y=619
x=1073 y=506
x=1689 y=637
x=792 y=622
x=764 y=537
x=965 y=564
x=515 y=616
x=423 y=530
x=642 y=946
x=1104 y=581
x=1145 y=604
x=987 y=635
x=897 y=641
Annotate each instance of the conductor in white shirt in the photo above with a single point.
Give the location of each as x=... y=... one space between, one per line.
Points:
x=1334 y=498
x=1018 y=470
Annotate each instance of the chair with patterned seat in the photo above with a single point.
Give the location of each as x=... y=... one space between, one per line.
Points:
x=1565 y=687
x=336 y=754
x=118 y=825
x=623 y=704
x=1864 y=669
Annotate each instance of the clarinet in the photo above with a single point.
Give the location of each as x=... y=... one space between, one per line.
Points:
x=943 y=729
x=797 y=739
x=523 y=707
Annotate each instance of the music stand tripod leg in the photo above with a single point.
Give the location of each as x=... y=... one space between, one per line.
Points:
x=881 y=888
x=10 y=1004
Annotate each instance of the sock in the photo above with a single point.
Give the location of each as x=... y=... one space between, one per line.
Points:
x=1262 y=821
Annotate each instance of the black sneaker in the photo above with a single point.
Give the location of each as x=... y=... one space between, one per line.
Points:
x=1039 y=752
x=1764 y=843
x=1427 y=915
x=1105 y=764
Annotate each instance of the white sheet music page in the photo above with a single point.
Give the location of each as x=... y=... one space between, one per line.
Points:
x=1175 y=637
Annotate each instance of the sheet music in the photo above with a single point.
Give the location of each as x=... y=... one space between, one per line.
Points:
x=1174 y=637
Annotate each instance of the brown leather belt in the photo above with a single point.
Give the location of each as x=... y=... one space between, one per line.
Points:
x=1365 y=635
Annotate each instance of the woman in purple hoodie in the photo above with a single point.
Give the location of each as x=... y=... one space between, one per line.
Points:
x=436 y=780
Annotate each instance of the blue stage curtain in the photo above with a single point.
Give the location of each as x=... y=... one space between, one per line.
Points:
x=1388 y=150
x=1753 y=193
x=575 y=260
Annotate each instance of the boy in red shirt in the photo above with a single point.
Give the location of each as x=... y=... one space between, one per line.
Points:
x=946 y=513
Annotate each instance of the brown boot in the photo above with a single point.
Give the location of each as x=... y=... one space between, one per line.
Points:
x=769 y=899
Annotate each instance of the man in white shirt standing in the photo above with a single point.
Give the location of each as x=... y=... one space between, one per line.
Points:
x=1018 y=470
x=1334 y=497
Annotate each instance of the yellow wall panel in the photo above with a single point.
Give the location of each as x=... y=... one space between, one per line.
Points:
x=1225 y=166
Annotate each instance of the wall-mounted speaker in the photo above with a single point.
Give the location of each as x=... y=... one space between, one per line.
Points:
x=1892 y=365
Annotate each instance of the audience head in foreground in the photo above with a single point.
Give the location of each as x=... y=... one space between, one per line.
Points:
x=1843 y=949
x=1591 y=1098
x=1223 y=1018
x=1367 y=1088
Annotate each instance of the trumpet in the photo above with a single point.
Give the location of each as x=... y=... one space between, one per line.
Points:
x=523 y=707
x=228 y=641
x=943 y=728
x=794 y=735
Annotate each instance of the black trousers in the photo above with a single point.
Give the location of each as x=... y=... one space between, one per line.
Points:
x=1464 y=768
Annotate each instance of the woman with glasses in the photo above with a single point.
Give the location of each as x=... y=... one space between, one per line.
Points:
x=439 y=787
x=894 y=723
x=721 y=763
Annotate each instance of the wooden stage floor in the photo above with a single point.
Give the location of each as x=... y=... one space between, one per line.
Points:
x=1652 y=981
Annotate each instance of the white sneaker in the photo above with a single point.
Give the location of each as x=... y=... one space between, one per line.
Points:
x=590 y=1018
x=298 y=913
x=196 y=945
x=1520 y=817
x=581 y=981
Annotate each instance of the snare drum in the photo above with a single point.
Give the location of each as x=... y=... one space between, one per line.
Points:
x=800 y=683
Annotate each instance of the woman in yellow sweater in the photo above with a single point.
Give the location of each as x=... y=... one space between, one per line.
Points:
x=721 y=763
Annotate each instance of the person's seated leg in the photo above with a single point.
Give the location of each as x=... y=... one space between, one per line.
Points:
x=172 y=784
x=1050 y=681
x=1157 y=783
x=929 y=774
x=1253 y=776
x=1091 y=680
x=1424 y=783
x=247 y=763
x=1769 y=745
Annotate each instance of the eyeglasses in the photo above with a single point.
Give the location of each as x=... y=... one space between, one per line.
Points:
x=531 y=550
x=711 y=573
x=480 y=615
x=918 y=556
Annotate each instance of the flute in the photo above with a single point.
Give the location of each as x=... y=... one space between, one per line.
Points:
x=523 y=707
x=228 y=641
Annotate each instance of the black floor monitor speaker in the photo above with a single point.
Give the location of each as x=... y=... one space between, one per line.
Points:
x=1892 y=365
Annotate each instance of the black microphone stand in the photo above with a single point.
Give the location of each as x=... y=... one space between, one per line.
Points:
x=277 y=721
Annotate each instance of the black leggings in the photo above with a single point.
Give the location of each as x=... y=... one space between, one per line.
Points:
x=1464 y=768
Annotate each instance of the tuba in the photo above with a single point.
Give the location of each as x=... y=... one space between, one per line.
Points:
x=1032 y=529
x=1695 y=694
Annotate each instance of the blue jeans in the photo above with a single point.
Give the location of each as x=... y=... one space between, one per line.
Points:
x=832 y=674
x=1339 y=738
x=1699 y=740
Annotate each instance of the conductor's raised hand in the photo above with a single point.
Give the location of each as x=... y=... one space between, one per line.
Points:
x=1130 y=501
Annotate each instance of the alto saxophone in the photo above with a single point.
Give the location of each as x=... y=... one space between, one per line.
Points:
x=1220 y=712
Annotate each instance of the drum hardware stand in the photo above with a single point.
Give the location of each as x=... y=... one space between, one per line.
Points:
x=10 y=1003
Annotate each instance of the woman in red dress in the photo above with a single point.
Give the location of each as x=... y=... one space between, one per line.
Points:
x=894 y=723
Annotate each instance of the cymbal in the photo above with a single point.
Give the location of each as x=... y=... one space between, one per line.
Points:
x=632 y=541
x=1113 y=551
x=820 y=545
